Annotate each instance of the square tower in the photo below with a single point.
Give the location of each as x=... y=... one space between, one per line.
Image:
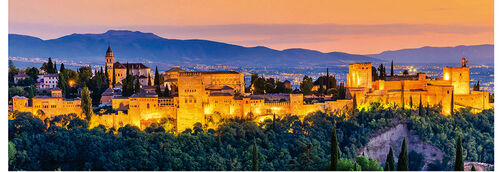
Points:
x=191 y=92
x=360 y=75
x=459 y=77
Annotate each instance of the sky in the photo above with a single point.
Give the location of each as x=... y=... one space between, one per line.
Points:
x=354 y=26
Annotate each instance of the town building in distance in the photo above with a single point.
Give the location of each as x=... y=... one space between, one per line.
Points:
x=200 y=96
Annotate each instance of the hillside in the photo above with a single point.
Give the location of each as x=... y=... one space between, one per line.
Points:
x=476 y=54
x=150 y=48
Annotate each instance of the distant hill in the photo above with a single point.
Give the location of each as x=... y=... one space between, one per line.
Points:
x=150 y=48
x=476 y=54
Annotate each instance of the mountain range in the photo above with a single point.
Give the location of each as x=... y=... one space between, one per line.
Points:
x=476 y=54
x=135 y=46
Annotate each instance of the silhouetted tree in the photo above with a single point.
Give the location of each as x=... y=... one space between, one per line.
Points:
x=255 y=157
x=392 y=67
x=334 y=150
x=403 y=158
x=459 y=159
x=389 y=161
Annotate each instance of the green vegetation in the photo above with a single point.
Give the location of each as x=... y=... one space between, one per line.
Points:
x=261 y=85
x=389 y=161
x=459 y=159
x=403 y=158
x=285 y=143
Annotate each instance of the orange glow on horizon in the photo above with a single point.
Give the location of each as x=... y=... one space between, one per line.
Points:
x=426 y=22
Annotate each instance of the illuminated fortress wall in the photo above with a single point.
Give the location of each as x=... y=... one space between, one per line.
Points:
x=459 y=77
x=360 y=75
x=433 y=91
x=191 y=96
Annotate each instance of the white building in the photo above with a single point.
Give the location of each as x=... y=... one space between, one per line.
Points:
x=48 y=81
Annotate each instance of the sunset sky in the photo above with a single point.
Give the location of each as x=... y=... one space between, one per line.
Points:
x=355 y=26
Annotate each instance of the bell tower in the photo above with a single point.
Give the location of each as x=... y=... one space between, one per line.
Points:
x=110 y=59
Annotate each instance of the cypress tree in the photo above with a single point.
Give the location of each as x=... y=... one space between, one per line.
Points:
x=157 y=77
x=473 y=168
x=137 y=86
x=354 y=105
x=427 y=112
x=334 y=150
x=420 y=107
x=114 y=77
x=355 y=166
x=392 y=67
x=411 y=102
x=452 y=102
x=255 y=157
x=166 y=93
x=149 y=79
x=459 y=159
x=55 y=67
x=403 y=158
x=50 y=66
x=158 y=91
x=106 y=74
x=389 y=161
x=402 y=95
x=61 y=69
x=86 y=103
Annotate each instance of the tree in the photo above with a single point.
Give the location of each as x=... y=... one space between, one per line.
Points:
x=354 y=105
x=166 y=93
x=334 y=148
x=61 y=69
x=157 y=77
x=255 y=157
x=374 y=74
x=149 y=79
x=128 y=83
x=389 y=161
x=86 y=104
x=84 y=75
x=12 y=72
x=452 y=102
x=476 y=86
x=49 y=66
x=473 y=168
x=31 y=91
x=402 y=95
x=106 y=76
x=403 y=158
x=459 y=159
x=137 y=86
x=12 y=155
x=420 y=107
x=392 y=67
x=381 y=69
x=114 y=77
x=306 y=85
x=411 y=102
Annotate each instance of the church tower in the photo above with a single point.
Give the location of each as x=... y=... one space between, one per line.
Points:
x=110 y=59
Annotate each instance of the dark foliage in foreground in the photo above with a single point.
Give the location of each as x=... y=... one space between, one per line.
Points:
x=289 y=144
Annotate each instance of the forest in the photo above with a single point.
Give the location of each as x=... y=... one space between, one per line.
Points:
x=285 y=143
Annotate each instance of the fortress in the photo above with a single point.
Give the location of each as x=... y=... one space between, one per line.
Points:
x=399 y=89
x=201 y=96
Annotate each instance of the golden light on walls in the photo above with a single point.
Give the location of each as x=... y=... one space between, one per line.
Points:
x=446 y=76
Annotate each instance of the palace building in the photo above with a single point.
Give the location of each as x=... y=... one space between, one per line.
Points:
x=50 y=106
x=400 y=89
x=136 y=69
x=201 y=96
